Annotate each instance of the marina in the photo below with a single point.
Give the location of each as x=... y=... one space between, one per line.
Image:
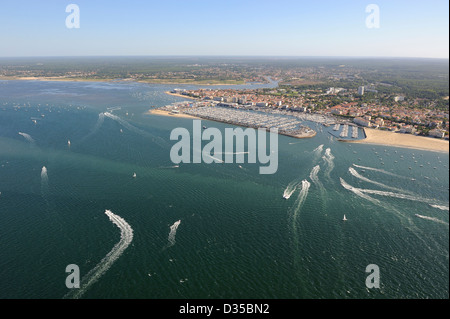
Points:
x=344 y=132
x=286 y=125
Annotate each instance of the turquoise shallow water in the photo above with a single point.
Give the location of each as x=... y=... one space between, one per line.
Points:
x=237 y=237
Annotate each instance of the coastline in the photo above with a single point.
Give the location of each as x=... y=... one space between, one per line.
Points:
x=386 y=138
x=68 y=79
x=169 y=114
x=179 y=95
x=160 y=112
x=56 y=79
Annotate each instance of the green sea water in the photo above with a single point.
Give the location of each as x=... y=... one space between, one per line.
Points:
x=237 y=236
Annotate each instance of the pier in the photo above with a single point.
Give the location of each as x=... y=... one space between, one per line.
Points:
x=344 y=132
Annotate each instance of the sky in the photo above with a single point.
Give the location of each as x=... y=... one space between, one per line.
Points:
x=408 y=28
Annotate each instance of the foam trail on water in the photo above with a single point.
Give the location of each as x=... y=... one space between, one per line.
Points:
x=380 y=171
x=357 y=175
x=217 y=160
x=134 y=129
x=440 y=207
x=357 y=191
x=101 y=119
x=431 y=202
x=27 y=137
x=172 y=234
x=290 y=189
x=329 y=159
x=300 y=200
x=318 y=150
x=432 y=219
x=126 y=124
x=399 y=195
x=313 y=175
x=44 y=181
x=126 y=237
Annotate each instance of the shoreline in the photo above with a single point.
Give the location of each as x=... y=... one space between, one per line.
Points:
x=67 y=79
x=56 y=79
x=179 y=95
x=385 y=138
x=160 y=112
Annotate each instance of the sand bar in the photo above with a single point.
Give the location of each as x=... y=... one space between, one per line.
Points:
x=180 y=95
x=170 y=114
x=403 y=140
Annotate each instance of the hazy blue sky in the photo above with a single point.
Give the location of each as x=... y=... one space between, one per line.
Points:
x=228 y=27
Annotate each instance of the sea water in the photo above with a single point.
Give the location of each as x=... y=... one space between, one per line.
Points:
x=204 y=230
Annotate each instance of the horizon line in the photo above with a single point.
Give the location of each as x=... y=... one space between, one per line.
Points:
x=226 y=56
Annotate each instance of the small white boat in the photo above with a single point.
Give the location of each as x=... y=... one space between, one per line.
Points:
x=68 y=142
x=345 y=218
x=134 y=175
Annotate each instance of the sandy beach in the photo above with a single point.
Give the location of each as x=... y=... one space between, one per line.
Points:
x=403 y=140
x=180 y=95
x=167 y=113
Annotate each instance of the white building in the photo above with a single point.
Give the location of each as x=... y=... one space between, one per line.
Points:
x=361 y=90
x=361 y=121
x=436 y=133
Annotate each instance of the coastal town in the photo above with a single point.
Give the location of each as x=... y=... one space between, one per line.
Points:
x=401 y=114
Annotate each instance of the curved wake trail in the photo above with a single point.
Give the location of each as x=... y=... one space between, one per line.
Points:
x=380 y=171
x=329 y=159
x=126 y=237
x=314 y=175
x=357 y=175
x=126 y=124
x=173 y=233
x=401 y=196
x=27 y=137
x=290 y=189
x=432 y=219
x=431 y=202
x=358 y=191
x=318 y=150
x=101 y=119
x=299 y=201
x=404 y=219
x=136 y=130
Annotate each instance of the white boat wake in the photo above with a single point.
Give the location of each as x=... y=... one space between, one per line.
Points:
x=404 y=218
x=44 y=181
x=173 y=233
x=27 y=137
x=358 y=192
x=318 y=150
x=357 y=175
x=441 y=207
x=300 y=200
x=314 y=175
x=126 y=237
x=329 y=159
x=380 y=171
x=101 y=119
x=290 y=189
x=432 y=219
x=399 y=195
x=136 y=130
